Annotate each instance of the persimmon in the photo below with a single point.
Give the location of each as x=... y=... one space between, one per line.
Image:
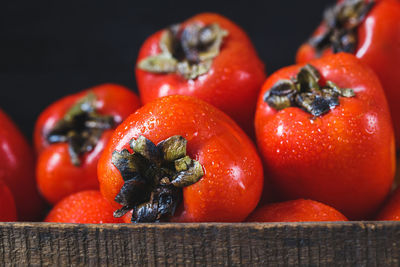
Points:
x=179 y=158
x=325 y=133
x=71 y=134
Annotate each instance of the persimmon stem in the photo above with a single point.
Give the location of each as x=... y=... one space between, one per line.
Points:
x=81 y=127
x=188 y=52
x=305 y=92
x=154 y=176
x=341 y=23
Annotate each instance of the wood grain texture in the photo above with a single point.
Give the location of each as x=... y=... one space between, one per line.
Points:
x=246 y=244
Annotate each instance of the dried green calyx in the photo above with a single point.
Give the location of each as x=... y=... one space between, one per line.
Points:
x=188 y=52
x=305 y=92
x=341 y=23
x=81 y=127
x=154 y=176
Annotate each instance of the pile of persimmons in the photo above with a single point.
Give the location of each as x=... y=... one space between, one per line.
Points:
x=212 y=139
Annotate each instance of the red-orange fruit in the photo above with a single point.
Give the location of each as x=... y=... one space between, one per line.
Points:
x=83 y=207
x=17 y=170
x=8 y=212
x=300 y=210
x=391 y=210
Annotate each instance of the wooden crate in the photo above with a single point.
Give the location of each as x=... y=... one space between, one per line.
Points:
x=213 y=244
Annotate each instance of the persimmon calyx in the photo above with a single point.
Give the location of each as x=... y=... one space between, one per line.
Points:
x=81 y=127
x=154 y=176
x=188 y=52
x=305 y=92
x=341 y=23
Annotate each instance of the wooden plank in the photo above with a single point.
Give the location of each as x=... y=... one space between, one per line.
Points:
x=245 y=244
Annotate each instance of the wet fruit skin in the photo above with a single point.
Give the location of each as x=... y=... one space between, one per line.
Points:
x=17 y=170
x=300 y=210
x=232 y=84
x=378 y=47
x=56 y=176
x=345 y=158
x=8 y=213
x=391 y=210
x=83 y=207
x=233 y=180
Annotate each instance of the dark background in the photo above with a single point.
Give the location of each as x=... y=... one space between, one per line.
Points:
x=48 y=50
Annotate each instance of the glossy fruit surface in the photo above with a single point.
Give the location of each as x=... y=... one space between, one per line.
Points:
x=231 y=84
x=83 y=207
x=8 y=213
x=59 y=174
x=345 y=157
x=233 y=175
x=17 y=170
x=300 y=210
x=378 y=45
